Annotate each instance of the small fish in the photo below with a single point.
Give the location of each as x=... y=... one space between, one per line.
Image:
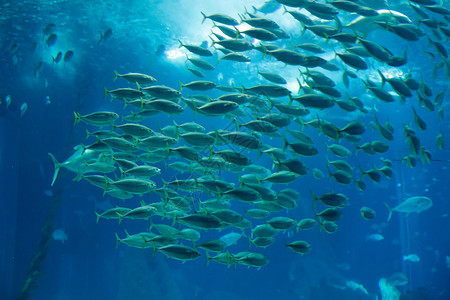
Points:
x=220 y=18
x=398 y=279
x=196 y=49
x=60 y=235
x=419 y=121
x=160 y=50
x=100 y=118
x=231 y=238
x=48 y=29
x=51 y=39
x=301 y=247
x=68 y=55
x=376 y=237
x=306 y=224
x=356 y=286
x=318 y=174
x=411 y=258
x=179 y=252
x=440 y=140
x=13 y=47
x=23 y=109
x=106 y=35
x=8 y=101
x=196 y=72
x=57 y=58
x=200 y=63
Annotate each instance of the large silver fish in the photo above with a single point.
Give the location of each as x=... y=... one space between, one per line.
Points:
x=415 y=204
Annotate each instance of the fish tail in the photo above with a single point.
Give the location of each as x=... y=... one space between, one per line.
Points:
x=106 y=187
x=237 y=31
x=101 y=37
x=304 y=29
x=79 y=176
x=120 y=216
x=237 y=124
x=383 y=79
x=98 y=216
x=117 y=75
x=314 y=199
x=320 y=223
x=241 y=17
x=329 y=172
x=390 y=211
x=362 y=171
x=181 y=44
x=177 y=131
x=77 y=118
x=290 y=99
x=259 y=153
x=285 y=143
x=208 y=258
x=338 y=24
x=118 y=240
x=174 y=220
x=106 y=92
x=356 y=148
x=168 y=150
x=204 y=17
x=84 y=147
x=57 y=167
x=299 y=85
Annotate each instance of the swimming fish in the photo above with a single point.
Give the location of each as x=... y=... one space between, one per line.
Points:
x=415 y=204
x=411 y=258
x=60 y=235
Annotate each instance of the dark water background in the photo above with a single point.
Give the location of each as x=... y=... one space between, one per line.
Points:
x=89 y=266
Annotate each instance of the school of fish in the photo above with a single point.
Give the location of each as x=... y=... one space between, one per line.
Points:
x=270 y=133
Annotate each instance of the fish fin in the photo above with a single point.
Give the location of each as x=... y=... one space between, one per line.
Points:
x=204 y=17
x=390 y=211
x=118 y=240
x=98 y=216
x=77 y=118
x=57 y=167
x=117 y=75
x=314 y=200
x=208 y=258
x=101 y=37
x=285 y=143
x=383 y=79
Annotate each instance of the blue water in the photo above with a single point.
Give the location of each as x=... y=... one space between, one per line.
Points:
x=88 y=265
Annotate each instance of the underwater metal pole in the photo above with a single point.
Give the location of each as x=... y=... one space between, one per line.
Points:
x=34 y=270
x=404 y=226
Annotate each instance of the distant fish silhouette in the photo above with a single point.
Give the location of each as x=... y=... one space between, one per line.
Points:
x=51 y=40
x=415 y=204
x=106 y=35
x=160 y=50
x=68 y=56
x=60 y=235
